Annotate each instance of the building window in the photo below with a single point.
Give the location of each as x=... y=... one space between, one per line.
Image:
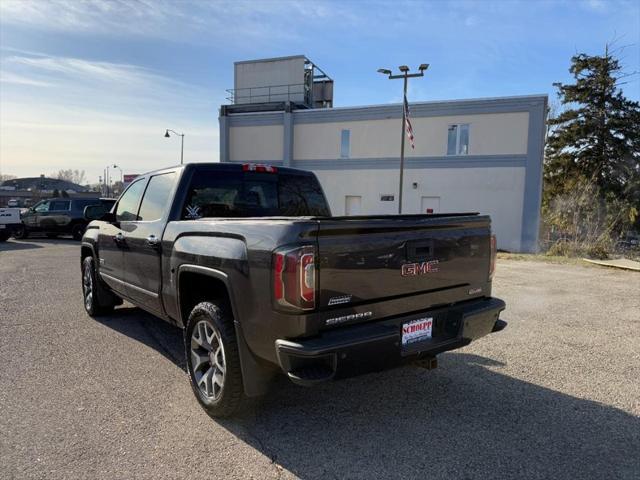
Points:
x=458 y=139
x=345 y=143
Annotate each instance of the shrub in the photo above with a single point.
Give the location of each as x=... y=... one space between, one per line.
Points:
x=584 y=222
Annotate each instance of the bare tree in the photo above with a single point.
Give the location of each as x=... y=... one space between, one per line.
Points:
x=70 y=175
x=4 y=177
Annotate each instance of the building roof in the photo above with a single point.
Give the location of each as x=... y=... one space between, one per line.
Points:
x=43 y=183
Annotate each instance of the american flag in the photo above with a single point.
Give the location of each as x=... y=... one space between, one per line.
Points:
x=408 y=127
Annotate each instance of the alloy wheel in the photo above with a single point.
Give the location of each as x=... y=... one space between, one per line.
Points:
x=208 y=359
x=87 y=285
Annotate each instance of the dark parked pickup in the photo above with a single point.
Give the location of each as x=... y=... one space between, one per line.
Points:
x=250 y=262
x=60 y=216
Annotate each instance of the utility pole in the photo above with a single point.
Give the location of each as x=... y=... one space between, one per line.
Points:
x=405 y=76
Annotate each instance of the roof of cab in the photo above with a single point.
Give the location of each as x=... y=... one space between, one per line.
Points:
x=226 y=166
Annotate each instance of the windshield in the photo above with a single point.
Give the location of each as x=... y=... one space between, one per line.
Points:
x=253 y=194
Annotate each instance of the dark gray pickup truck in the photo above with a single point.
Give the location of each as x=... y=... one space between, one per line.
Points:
x=250 y=262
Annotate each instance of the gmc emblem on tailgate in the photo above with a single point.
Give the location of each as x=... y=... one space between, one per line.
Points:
x=412 y=269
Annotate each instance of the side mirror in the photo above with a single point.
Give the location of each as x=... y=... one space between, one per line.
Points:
x=98 y=212
x=108 y=217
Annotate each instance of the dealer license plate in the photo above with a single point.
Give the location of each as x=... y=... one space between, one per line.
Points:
x=417 y=330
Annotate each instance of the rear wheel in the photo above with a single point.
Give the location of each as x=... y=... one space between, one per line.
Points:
x=92 y=292
x=212 y=358
x=4 y=235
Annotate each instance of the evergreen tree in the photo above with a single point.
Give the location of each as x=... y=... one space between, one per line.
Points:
x=596 y=137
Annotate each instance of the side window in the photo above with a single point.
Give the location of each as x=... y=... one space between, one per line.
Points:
x=59 y=205
x=458 y=139
x=300 y=195
x=127 y=210
x=345 y=143
x=156 y=197
x=42 y=207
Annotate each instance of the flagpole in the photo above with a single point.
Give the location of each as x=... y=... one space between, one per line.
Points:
x=404 y=126
x=405 y=76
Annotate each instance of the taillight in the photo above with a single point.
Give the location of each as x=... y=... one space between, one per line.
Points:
x=255 y=167
x=294 y=278
x=494 y=253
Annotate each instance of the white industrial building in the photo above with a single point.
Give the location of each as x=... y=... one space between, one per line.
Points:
x=481 y=155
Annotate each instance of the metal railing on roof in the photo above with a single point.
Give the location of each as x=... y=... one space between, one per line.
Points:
x=297 y=92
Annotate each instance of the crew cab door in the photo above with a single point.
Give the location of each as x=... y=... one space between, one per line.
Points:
x=56 y=218
x=111 y=239
x=30 y=219
x=143 y=242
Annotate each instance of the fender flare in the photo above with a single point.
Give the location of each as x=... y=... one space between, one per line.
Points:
x=90 y=247
x=255 y=375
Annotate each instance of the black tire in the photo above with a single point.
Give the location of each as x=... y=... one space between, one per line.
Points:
x=20 y=233
x=100 y=302
x=217 y=400
x=77 y=231
x=4 y=235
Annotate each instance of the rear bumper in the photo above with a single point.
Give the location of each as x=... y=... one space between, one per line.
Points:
x=376 y=346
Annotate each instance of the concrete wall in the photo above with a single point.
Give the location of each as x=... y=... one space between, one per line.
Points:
x=256 y=144
x=501 y=175
x=494 y=191
x=490 y=134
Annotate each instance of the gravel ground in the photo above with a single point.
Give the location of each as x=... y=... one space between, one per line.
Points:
x=555 y=395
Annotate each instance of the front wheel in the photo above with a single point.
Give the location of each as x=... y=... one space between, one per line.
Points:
x=91 y=290
x=212 y=358
x=20 y=233
x=77 y=231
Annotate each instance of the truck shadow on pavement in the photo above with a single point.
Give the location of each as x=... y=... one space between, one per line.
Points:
x=31 y=243
x=143 y=327
x=464 y=420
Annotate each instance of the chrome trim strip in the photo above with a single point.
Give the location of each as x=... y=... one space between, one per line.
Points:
x=129 y=285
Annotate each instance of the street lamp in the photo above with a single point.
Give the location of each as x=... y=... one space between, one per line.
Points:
x=405 y=75
x=121 y=177
x=166 y=135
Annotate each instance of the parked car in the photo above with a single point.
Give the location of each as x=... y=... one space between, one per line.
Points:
x=249 y=262
x=59 y=216
x=13 y=203
x=9 y=222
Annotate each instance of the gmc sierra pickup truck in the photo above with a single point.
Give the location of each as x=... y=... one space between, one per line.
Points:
x=248 y=260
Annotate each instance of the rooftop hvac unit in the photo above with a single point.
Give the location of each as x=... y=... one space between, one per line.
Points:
x=275 y=81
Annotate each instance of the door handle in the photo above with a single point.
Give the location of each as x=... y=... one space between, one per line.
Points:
x=119 y=238
x=153 y=241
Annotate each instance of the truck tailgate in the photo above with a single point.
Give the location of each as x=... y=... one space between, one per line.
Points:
x=364 y=259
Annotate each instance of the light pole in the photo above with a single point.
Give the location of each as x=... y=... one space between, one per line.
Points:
x=405 y=75
x=181 y=143
x=121 y=177
x=106 y=180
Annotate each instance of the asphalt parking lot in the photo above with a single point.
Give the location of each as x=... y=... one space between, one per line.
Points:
x=555 y=395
